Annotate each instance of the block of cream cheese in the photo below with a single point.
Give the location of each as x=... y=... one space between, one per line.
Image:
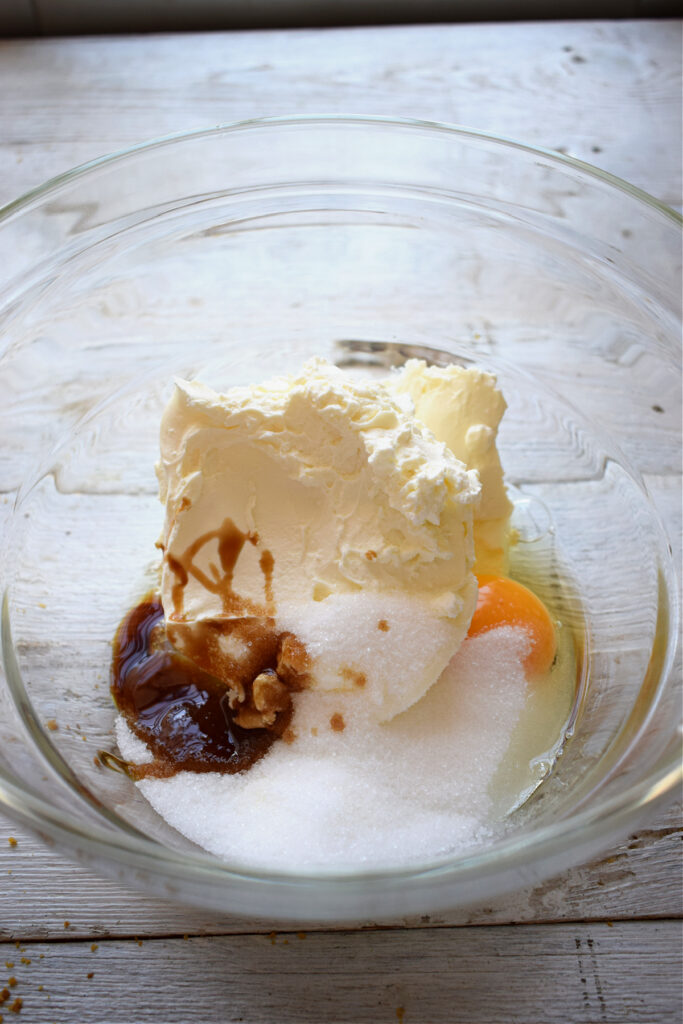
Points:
x=463 y=408
x=323 y=507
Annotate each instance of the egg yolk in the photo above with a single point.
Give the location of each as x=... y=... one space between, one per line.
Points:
x=503 y=602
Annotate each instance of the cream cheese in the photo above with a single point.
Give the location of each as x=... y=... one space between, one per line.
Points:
x=463 y=408
x=352 y=528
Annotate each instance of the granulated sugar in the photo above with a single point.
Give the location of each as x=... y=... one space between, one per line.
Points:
x=343 y=638
x=349 y=792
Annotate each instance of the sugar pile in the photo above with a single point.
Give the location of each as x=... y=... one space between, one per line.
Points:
x=349 y=792
x=357 y=634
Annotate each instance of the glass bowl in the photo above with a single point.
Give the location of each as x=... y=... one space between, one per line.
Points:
x=235 y=253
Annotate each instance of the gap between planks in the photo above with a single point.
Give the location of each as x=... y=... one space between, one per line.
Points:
x=531 y=974
x=292 y=929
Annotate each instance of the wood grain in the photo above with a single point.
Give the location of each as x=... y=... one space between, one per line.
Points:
x=605 y=92
x=580 y=973
x=40 y=890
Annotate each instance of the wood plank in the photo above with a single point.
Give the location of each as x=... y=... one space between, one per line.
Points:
x=40 y=889
x=666 y=493
x=606 y=92
x=579 y=973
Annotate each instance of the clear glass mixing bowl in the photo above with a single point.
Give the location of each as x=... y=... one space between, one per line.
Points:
x=235 y=253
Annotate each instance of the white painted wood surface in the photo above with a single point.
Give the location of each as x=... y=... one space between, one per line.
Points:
x=605 y=92
x=608 y=93
x=528 y=975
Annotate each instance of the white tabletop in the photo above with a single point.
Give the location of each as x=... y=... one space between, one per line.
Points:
x=601 y=942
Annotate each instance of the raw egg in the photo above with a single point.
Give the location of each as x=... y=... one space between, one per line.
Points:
x=503 y=602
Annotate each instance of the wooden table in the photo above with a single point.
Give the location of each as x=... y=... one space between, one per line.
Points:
x=602 y=942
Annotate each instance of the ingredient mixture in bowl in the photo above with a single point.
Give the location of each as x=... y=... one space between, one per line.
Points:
x=338 y=667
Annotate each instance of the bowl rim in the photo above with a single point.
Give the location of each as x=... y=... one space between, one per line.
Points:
x=377 y=120
x=601 y=819
x=614 y=816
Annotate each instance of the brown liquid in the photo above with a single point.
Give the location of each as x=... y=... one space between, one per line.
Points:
x=230 y=541
x=181 y=712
